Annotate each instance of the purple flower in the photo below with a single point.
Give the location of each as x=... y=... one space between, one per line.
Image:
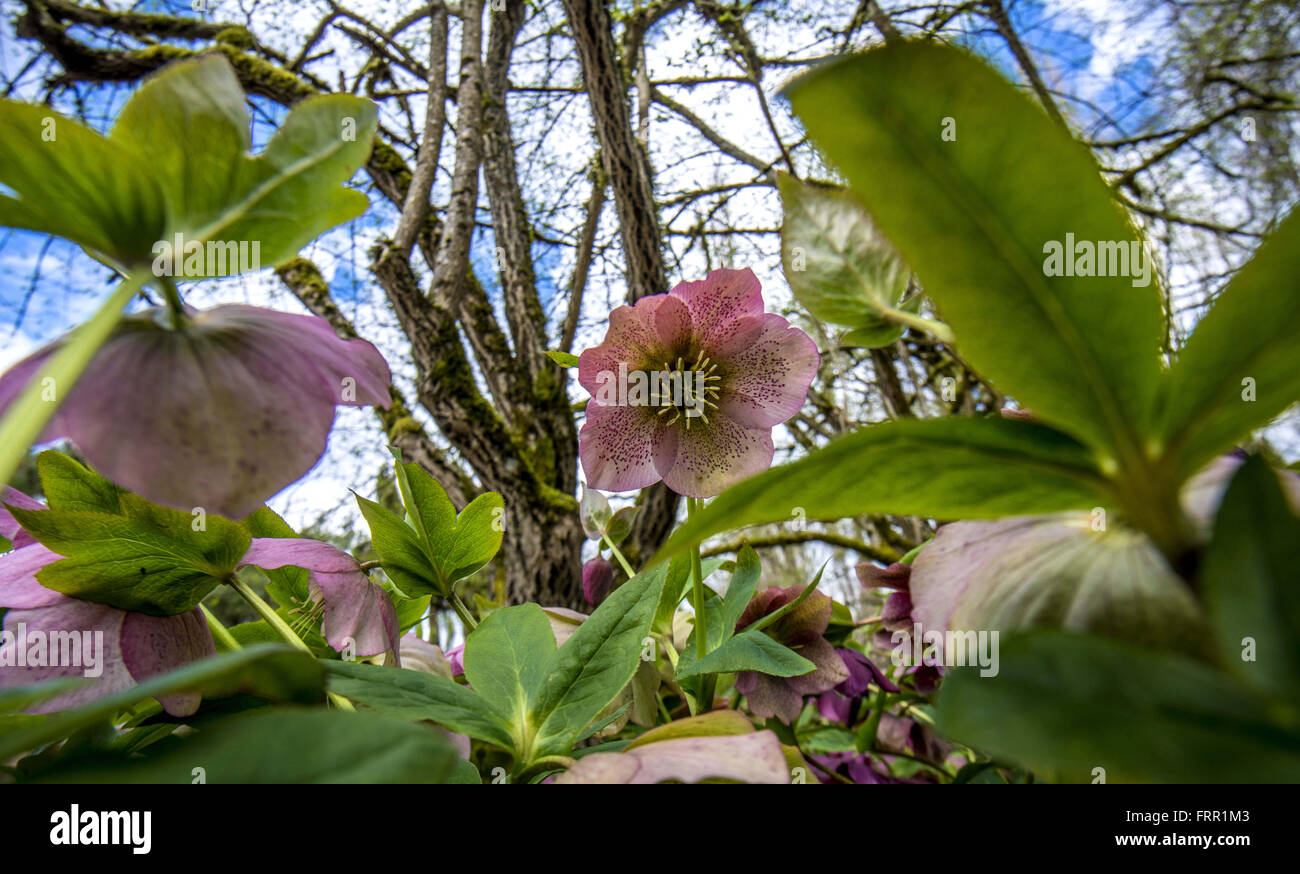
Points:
x=357 y=614
x=597 y=580
x=801 y=630
x=839 y=704
x=220 y=413
x=48 y=635
x=456 y=656
x=687 y=386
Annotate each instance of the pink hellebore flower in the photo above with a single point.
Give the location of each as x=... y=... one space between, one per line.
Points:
x=49 y=635
x=687 y=386
x=220 y=413
x=358 y=616
x=119 y=648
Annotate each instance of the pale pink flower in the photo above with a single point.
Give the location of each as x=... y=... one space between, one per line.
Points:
x=742 y=372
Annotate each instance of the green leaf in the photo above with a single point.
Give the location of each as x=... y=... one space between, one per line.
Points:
x=974 y=215
x=417 y=696
x=1064 y=704
x=457 y=545
x=151 y=560
x=70 y=485
x=564 y=359
x=675 y=582
x=506 y=657
x=839 y=265
x=189 y=124
x=274 y=671
x=399 y=550
x=76 y=184
x=595 y=663
x=1248 y=574
x=290 y=746
x=1251 y=333
x=744 y=582
x=747 y=651
x=942 y=468
x=454 y=546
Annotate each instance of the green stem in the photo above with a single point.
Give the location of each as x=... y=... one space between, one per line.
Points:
x=267 y=612
x=463 y=612
x=627 y=567
x=708 y=682
x=219 y=631
x=30 y=413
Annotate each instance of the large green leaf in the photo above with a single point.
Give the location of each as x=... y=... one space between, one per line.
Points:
x=456 y=545
x=974 y=215
x=740 y=591
x=506 y=658
x=747 y=651
x=400 y=552
x=1250 y=574
x=943 y=468
x=1063 y=705
x=290 y=746
x=274 y=671
x=190 y=125
x=838 y=263
x=150 y=560
x=76 y=184
x=1251 y=333
x=70 y=485
x=418 y=696
x=595 y=663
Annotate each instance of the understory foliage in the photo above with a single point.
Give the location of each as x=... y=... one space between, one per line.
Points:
x=1111 y=596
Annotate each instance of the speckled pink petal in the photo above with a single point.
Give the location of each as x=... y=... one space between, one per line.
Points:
x=154 y=645
x=70 y=616
x=719 y=300
x=9 y=527
x=357 y=611
x=769 y=365
x=631 y=339
x=616 y=447
x=18 y=586
x=706 y=459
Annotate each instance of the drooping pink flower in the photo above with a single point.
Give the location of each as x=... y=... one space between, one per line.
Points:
x=220 y=412
x=801 y=630
x=358 y=616
x=110 y=648
x=720 y=374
